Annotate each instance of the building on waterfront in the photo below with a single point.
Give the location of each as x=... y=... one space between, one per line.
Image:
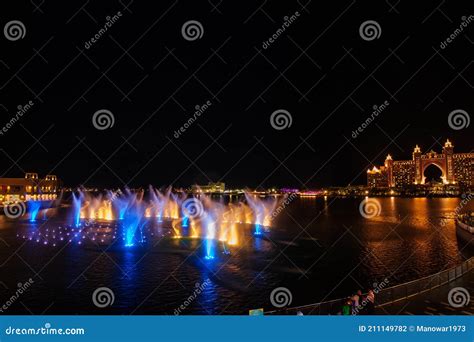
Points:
x=209 y=188
x=456 y=169
x=31 y=187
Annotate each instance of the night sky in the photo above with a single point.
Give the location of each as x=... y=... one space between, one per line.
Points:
x=320 y=70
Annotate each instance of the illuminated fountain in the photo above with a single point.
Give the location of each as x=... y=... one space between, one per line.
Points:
x=33 y=209
x=76 y=208
x=120 y=204
x=163 y=205
x=132 y=219
x=262 y=210
x=97 y=208
x=133 y=225
x=194 y=233
x=211 y=220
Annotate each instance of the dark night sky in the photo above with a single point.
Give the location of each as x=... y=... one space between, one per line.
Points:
x=151 y=78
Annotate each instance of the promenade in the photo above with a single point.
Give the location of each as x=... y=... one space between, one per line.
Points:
x=424 y=296
x=433 y=302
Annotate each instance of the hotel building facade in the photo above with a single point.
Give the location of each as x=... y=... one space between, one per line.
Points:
x=456 y=169
x=29 y=188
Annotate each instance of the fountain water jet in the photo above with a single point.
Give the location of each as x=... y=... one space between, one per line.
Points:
x=33 y=208
x=121 y=204
x=132 y=222
x=210 y=238
x=76 y=207
x=262 y=210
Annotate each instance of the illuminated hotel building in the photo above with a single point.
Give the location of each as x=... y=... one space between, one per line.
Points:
x=29 y=188
x=456 y=168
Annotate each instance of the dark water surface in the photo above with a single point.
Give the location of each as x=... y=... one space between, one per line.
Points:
x=319 y=249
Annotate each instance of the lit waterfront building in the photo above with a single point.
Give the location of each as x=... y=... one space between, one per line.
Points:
x=209 y=188
x=377 y=177
x=456 y=169
x=31 y=187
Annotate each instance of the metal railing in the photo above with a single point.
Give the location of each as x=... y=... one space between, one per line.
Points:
x=388 y=295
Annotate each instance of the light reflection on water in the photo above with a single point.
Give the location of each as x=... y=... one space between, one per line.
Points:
x=329 y=251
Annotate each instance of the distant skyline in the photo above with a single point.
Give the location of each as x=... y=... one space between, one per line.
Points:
x=182 y=110
x=432 y=172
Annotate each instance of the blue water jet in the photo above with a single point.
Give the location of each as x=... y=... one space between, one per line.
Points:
x=185 y=223
x=33 y=208
x=121 y=206
x=210 y=239
x=129 y=237
x=258 y=229
x=131 y=221
x=210 y=245
x=76 y=205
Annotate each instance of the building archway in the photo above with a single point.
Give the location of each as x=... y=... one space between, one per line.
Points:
x=433 y=172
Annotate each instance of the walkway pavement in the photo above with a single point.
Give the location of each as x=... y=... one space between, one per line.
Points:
x=434 y=302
